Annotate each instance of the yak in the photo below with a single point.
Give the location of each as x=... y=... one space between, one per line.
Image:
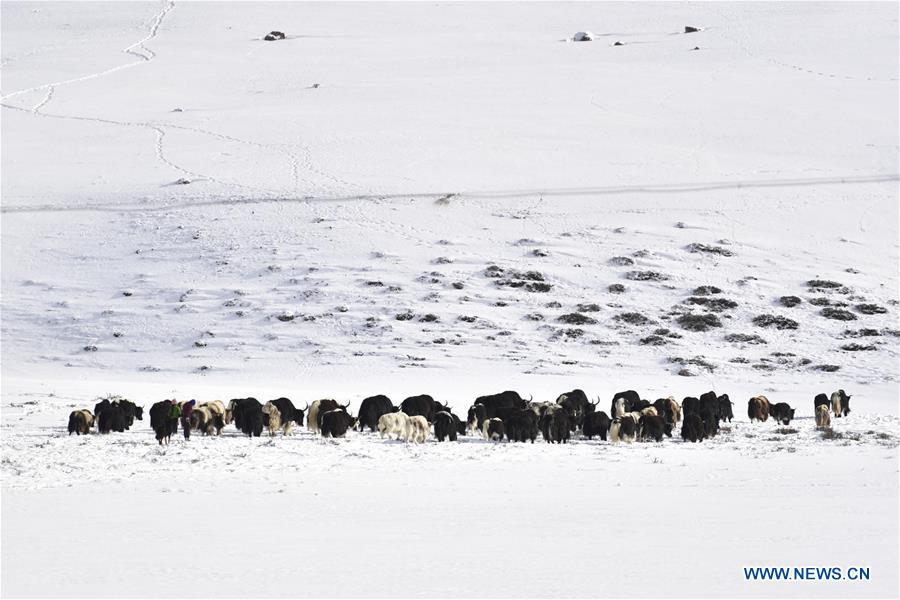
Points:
x=371 y=409
x=445 y=426
x=80 y=422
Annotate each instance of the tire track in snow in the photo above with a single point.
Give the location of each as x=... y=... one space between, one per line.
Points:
x=301 y=161
x=160 y=134
x=37 y=107
x=160 y=154
x=752 y=54
x=145 y=55
x=154 y=29
x=340 y=183
x=141 y=51
x=644 y=189
x=296 y=162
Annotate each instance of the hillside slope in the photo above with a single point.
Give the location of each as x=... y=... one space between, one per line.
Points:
x=452 y=199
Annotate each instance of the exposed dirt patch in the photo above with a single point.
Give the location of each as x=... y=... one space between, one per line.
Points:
x=708 y=249
x=837 y=314
x=790 y=301
x=706 y=290
x=713 y=304
x=776 y=321
x=646 y=276
x=704 y=322
x=576 y=319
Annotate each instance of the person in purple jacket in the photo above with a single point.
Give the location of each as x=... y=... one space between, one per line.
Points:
x=186 y=410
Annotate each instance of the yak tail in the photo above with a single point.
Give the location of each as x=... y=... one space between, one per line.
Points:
x=72 y=423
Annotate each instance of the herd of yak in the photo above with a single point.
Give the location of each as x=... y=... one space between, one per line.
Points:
x=494 y=417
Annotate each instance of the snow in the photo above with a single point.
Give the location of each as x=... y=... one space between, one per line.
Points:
x=173 y=184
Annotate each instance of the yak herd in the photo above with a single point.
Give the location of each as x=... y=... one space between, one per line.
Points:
x=494 y=417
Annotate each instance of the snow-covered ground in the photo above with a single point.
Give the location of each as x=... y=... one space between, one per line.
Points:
x=377 y=163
